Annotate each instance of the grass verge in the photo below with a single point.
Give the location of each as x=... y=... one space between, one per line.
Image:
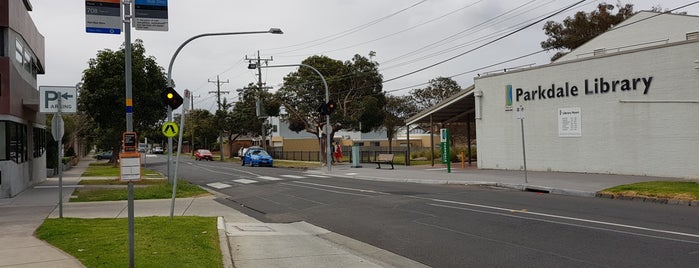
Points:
x=161 y=190
x=105 y=169
x=159 y=241
x=687 y=190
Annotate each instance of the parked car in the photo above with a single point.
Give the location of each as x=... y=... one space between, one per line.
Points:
x=104 y=155
x=157 y=150
x=257 y=157
x=203 y=154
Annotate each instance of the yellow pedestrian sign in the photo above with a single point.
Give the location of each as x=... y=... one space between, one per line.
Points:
x=170 y=129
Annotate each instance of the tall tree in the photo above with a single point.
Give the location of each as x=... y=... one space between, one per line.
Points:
x=102 y=95
x=355 y=85
x=201 y=128
x=438 y=89
x=397 y=110
x=576 y=30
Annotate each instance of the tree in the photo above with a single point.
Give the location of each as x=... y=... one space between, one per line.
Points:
x=397 y=110
x=355 y=85
x=102 y=95
x=438 y=89
x=201 y=127
x=576 y=30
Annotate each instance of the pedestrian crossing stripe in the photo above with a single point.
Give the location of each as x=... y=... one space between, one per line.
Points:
x=292 y=176
x=218 y=185
x=245 y=181
x=269 y=178
x=317 y=176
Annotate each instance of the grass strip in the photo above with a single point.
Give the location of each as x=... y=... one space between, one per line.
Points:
x=163 y=190
x=186 y=241
x=687 y=190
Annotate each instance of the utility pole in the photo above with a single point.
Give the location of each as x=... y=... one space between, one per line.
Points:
x=260 y=88
x=191 y=144
x=218 y=93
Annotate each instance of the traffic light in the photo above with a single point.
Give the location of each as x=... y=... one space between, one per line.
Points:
x=327 y=108
x=330 y=107
x=171 y=98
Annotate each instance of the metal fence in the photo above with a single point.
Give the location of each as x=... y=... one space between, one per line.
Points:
x=366 y=154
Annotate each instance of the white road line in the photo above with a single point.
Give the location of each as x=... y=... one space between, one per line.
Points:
x=269 y=178
x=218 y=185
x=559 y=217
x=293 y=176
x=317 y=176
x=351 y=174
x=245 y=181
x=338 y=187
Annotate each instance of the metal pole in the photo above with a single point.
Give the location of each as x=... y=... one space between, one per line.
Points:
x=129 y=120
x=524 y=153
x=520 y=114
x=60 y=165
x=328 y=149
x=169 y=84
x=169 y=78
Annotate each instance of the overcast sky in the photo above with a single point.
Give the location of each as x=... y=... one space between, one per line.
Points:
x=406 y=35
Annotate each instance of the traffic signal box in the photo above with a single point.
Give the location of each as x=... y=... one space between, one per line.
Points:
x=171 y=98
x=327 y=108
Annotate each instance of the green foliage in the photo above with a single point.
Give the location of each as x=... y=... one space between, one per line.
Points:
x=660 y=189
x=349 y=85
x=102 y=96
x=201 y=124
x=582 y=27
x=396 y=111
x=160 y=242
x=438 y=89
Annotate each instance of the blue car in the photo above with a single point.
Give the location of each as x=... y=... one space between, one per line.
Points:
x=257 y=157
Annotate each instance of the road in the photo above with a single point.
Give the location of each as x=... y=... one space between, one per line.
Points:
x=462 y=226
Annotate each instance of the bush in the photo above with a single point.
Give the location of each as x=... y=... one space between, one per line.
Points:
x=70 y=152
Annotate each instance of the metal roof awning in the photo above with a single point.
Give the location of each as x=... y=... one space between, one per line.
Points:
x=453 y=109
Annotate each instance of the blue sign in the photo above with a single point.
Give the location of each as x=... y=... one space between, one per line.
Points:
x=151 y=15
x=103 y=16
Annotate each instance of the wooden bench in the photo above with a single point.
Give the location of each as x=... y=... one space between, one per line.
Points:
x=384 y=158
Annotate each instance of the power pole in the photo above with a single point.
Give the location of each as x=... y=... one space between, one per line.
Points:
x=260 y=88
x=191 y=145
x=218 y=93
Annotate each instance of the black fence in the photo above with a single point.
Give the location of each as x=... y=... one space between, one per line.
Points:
x=366 y=154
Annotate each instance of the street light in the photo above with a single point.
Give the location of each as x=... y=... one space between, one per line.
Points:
x=169 y=110
x=328 y=149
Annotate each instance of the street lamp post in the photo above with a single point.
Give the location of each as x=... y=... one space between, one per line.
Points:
x=328 y=149
x=169 y=109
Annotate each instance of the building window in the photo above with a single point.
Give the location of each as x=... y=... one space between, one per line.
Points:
x=39 y=142
x=3 y=144
x=15 y=146
x=19 y=51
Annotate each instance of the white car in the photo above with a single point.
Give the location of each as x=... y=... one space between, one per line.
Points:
x=157 y=150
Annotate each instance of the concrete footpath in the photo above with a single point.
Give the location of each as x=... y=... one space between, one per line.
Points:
x=251 y=243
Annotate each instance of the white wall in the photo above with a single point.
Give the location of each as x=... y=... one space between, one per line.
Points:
x=658 y=139
x=643 y=27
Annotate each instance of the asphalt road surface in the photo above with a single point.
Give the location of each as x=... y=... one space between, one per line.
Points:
x=461 y=226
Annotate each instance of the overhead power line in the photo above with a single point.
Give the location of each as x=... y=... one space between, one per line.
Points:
x=336 y=36
x=486 y=44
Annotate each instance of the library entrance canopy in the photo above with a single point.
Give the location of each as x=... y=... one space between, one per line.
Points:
x=457 y=108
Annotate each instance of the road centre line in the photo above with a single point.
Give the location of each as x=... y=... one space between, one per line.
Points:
x=560 y=217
